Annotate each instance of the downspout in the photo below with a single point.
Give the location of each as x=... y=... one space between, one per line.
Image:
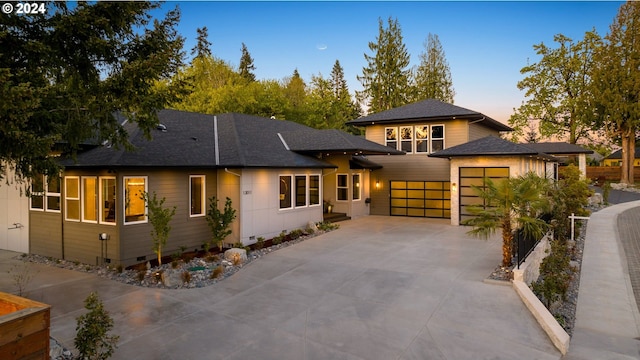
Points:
x=231 y=172
x=215 y=142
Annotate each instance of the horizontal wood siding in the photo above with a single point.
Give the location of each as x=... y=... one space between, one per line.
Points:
x=81 y=242
x=402 y=167
x=45 y=234
x=477 y=131
x=187 y=231
x=455 y=131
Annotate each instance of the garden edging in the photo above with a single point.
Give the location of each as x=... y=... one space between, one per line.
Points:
x=528 y=273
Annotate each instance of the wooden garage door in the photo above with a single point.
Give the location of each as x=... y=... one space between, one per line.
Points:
x=475 y=176
x=420 y=198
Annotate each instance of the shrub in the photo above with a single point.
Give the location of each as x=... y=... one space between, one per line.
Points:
x=92 y=339
x=219 y=221
x=159 y=218
x=217 y=272
x=555 y=274
x=279 y=239
x=119 y=268
x=569 y=195
x=259 y=245
x=327 y=226
x=21 y=276
x=186 y=276
x=141 y=275
x=606 y=189
x=294 y=234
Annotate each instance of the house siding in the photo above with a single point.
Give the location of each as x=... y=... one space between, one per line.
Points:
x=228 y=186
x=46 y=238
x=417 y=167
x=477 y=131
x=187 y=231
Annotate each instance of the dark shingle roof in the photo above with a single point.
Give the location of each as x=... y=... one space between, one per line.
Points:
x=243 y=141
x=559 y=148
x=618 y=154
x=431 y=110
x=490 y=146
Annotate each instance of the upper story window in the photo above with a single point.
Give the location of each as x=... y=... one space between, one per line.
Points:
x=89 y=199
x=197 y=195
x=391 y=137
x=422 y=138
x=135 y=209
x=437 y=138
x=53 y=193
x=406 y=139
x=37 y=193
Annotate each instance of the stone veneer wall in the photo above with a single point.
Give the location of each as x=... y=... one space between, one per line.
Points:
x=529 y=270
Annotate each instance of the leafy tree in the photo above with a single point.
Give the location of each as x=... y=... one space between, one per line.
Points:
x=219 y=221
x=159 y=218
x=569 y=195
x=92 y=331
x=557 y=89
x=514 y=201
x=386 y=78
x=246 y=65
x=616 y=83
x=203 y=46
x=433 y=76
x=295 y=91
x=65 y=72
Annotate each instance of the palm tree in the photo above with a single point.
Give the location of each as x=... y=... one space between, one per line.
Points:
x=518 y=201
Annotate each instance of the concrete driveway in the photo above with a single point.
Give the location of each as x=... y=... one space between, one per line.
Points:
x=377 y=288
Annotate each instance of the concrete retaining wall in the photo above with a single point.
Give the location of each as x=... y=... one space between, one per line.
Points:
x=529 y=270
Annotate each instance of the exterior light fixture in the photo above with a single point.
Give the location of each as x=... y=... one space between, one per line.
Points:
x=377 y=184
x=103 y=236
x=453 y=187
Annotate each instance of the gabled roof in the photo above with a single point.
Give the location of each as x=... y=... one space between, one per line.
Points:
x=490 y=146
x=229 y=140
x=428 y=110
x=618 y=154
x=559 y=148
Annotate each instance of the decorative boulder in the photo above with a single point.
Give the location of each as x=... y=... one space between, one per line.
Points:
x=312 y=225
x=235 y=253
x=595 y=199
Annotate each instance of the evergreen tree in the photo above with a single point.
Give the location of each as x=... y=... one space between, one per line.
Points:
x=295 y=92
x=386 y=78
x=557 y=89
x=246 y=65
x=616 y=84
x=65 y=72
x=433 y=77
x=203 y=46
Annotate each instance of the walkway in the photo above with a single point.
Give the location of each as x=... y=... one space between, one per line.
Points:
x=607 y=317
x=378 y=288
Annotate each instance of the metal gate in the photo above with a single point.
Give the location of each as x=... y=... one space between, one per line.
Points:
x=420 y=198
x=475 y=176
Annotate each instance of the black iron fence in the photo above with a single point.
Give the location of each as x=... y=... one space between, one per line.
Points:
x=524 y=245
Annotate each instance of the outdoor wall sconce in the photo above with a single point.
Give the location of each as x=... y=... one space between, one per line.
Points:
x=103 y=236
x=453 y=187
x=377 y=184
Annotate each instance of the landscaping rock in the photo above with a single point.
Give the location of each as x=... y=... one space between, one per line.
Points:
x=235 y=253
x=312 y=225
x=595 y=199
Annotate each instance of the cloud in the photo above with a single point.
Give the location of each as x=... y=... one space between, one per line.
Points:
x=321 y=47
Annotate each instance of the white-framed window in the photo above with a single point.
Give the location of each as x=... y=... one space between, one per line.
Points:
x=342 y=187
x=37 y=193
x=285 y=192
x=135 y=209
x=72 y=198
x=356 y=186
x=406 y=139
x=314 y=190
x=391 y=137
x=301 y=190
x=437 y=138
x=52 y=192
x=197 y=195
x=89 y=199
x=107 y=200
x=422 y=138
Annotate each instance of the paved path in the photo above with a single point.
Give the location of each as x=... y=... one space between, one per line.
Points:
x=607 y=318
x=378 y=288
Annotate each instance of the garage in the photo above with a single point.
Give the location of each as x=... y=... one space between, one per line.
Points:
x=431 y=199
x=470 y=176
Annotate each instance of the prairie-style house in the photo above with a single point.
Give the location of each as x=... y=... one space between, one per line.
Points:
x=277 y=174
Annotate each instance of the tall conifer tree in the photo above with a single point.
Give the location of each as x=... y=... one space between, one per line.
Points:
x=433 y=76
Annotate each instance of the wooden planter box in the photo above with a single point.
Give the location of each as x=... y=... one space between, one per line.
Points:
x=24 y=328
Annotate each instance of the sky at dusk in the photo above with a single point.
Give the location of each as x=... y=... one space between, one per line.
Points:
x=485 y=43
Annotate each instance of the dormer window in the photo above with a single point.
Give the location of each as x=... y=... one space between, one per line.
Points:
x=406 y=139
x=391 y=138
